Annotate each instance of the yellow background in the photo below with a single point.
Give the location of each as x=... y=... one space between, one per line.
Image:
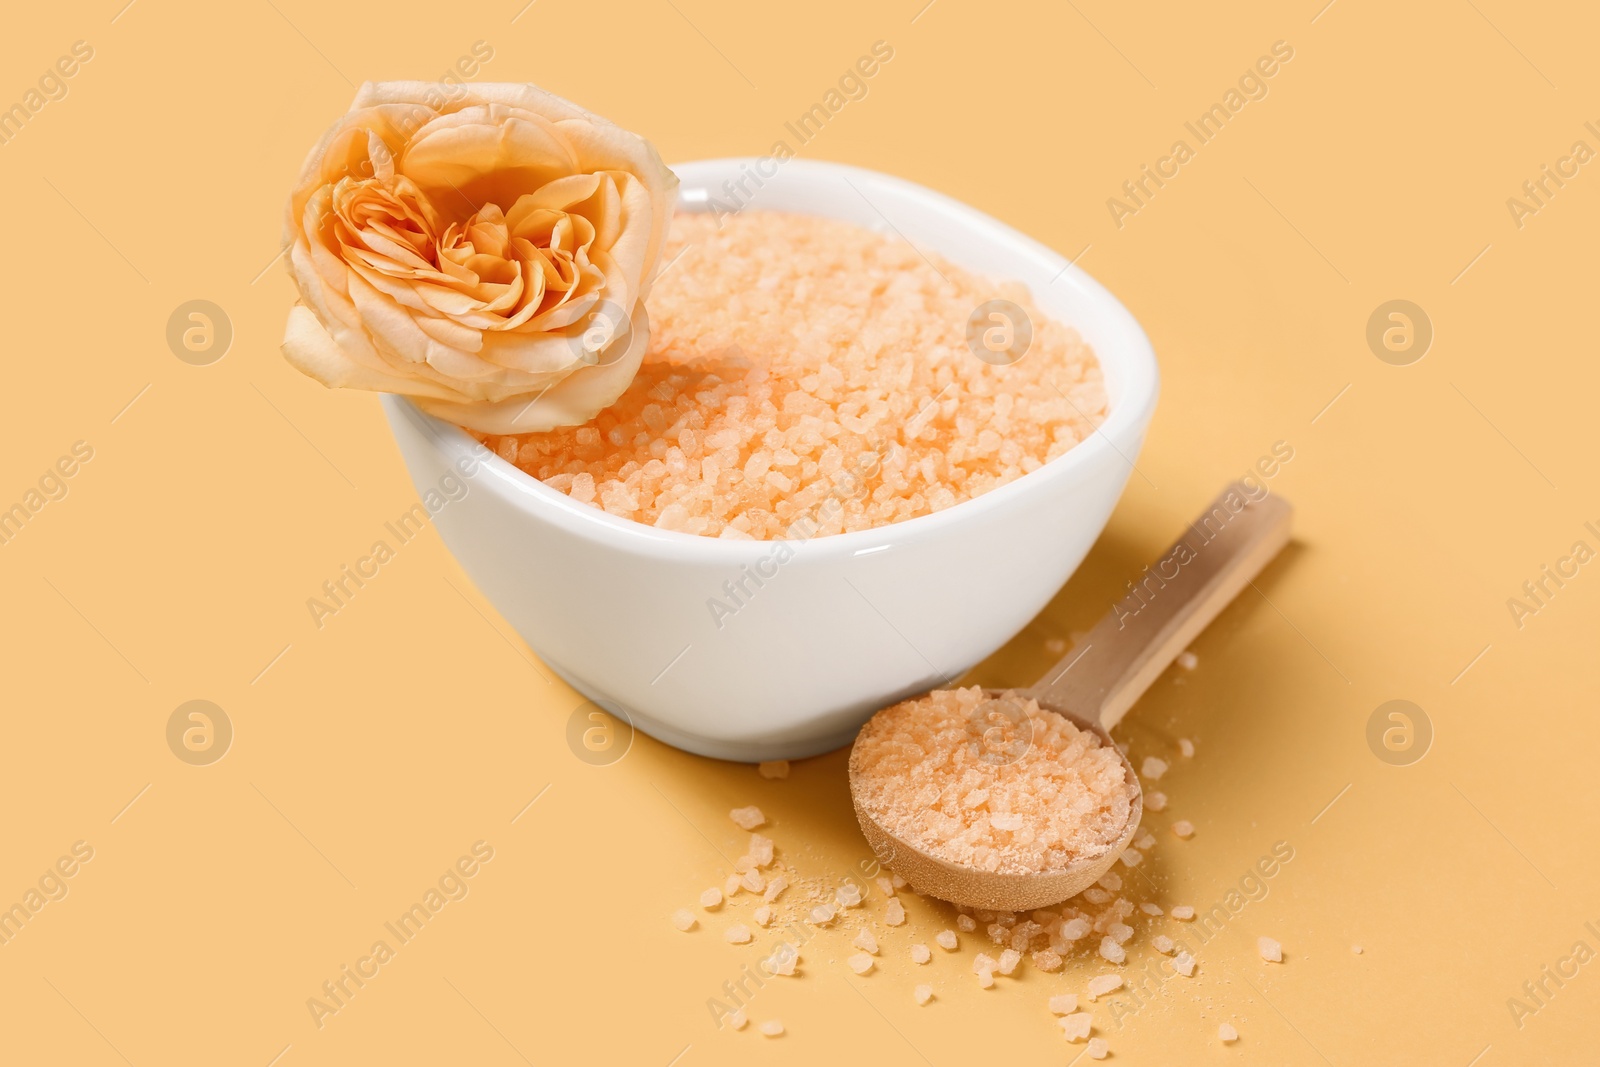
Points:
x=372 y=753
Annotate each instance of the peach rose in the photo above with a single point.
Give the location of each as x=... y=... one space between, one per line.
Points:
x=486 y=252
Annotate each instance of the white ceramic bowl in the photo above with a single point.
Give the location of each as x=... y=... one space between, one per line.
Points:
x=851 y=622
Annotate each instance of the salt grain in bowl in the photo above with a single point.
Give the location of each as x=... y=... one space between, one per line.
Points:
x=808 y=376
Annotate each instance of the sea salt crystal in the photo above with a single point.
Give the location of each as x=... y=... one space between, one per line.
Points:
x=921 y=954
x=899 y=882
x=1110 y=880
x=946 y=939
x=1101 y=984
x=1096 y=895
x=966 y=923
x=1009 y=960
x=771 y=1028
x=1162 y=944
x=1006 y=821
x=923 y=993
x=747 y=818
x=775 y=888
x=1064 y=1003
x=998 y=934
x=1227 y=1034
x=1075 y=1027
x=1186 y=747
x=1270 y=950
x=1183 y=828
x=1131 y=857
x=1183 y=913
x=1183 y=963
x=1144 y=842
x=683 y=919
x=783 y=960
x=1120 y=932
x=760 y=850
x=865 y=941
x=1356 y=949
x=753 y=881
x=1075 y=928
x=860 y=963
x=885 y=886
x=1097 y=1048
x=984 y=962
x=764 y=915
x=1155 y=801
x=737 y=934
x=1046 y=960
x=848 y=895
x=1150 y=909
x=895 y=913
x=777 y=768
x=1188 y=660
x=1110 y=950
x=730 y=887
x=738 y=1020
x=711 y=899
x=985 y=979
x=823 y=914
x=1153 y=768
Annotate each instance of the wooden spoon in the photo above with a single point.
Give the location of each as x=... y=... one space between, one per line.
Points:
x=1094 y=685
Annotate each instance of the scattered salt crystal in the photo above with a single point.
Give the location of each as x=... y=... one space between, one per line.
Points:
x=1183 y=828
x=774 y=888
x=1186 y=747
x=730 y=886
x=1152 y=768
x=1110 y=880
x=865 y=941
x=1270 y=950
x=1097 y=1048
x=885 y=886
x=737 y=934
x=1188 y=660
x=1096 y=895
x=782 y=961
x=1183 y=963
x=1131 y=857
x=1227 y=1034
x=985 y=979
x=711 y=899
x=1046 y=960
x=738 y=1020
x=764 y=915
x=771 y=1028
x=1120 y=932
x=823 y=914
x=899 y=882
x=1356 y=949
x=923 y=993
x=683 y=919
x=1183 y=913
x=753 y=881
x=860 y=963
x=1073 y=929
x=921 y=954
x=1009 y=960
x=946 y=939
x=1064 y=1003
x=1155 y=801
x=1101 y=984
x=760 y=850
x=747 y=818
x=895 y=913
x=776 y=768
x=848 y=894
x=966 y=923
x=1075 y=1027
x=1162 y=944
x=1110 y=950
x=998 y=934
x=984 y=962
x=1150 y=909
x=1144 y=842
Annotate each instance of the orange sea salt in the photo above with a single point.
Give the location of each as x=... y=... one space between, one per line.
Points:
x=806 y=370
x=921 y=772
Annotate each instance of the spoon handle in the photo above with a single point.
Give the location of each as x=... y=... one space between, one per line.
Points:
x=1168 y=606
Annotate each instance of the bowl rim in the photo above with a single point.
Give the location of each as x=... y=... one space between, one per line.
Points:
x=1133 y=356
